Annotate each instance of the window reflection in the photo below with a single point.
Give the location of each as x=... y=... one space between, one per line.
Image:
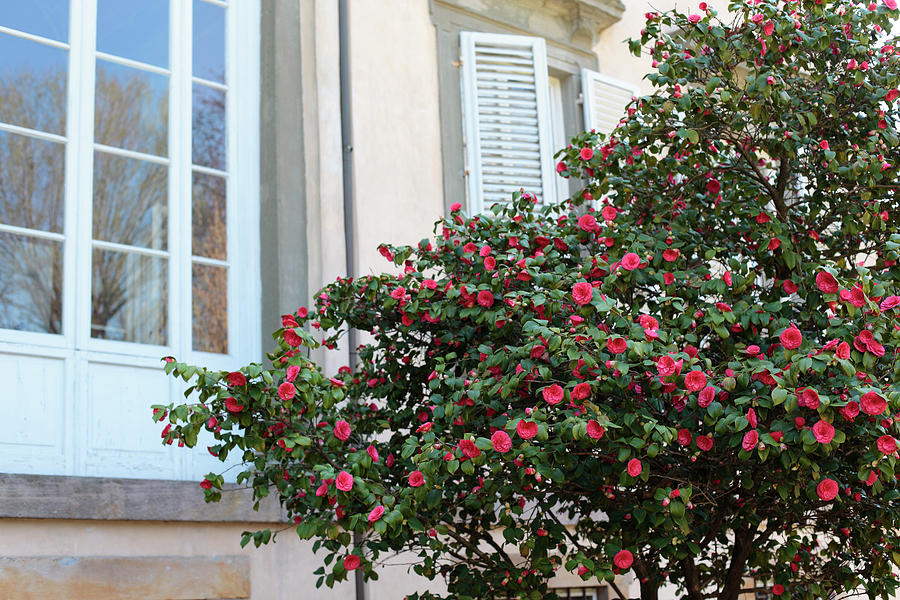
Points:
x=130 y=201
x=135 y=29
x=129 y=297
x=30 y=283
x=131 y=109
x=33 y=84
x=46 y=18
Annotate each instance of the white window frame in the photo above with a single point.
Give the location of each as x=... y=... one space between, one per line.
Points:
x=537 y=45
x=74 y=344
x=242 y=188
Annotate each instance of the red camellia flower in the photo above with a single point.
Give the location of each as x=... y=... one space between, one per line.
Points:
x=553 y=394
x=695 y=381
x=777 y=589
x=416 y=478
x=671 y=254
x=582 y=391
x=827 y=489
x=232 y=405
x=704 y=442
x=892 y=94
x=713 y=186
x=609 y=213
x=236 y=378
x=351 y=562
x=469 y=448
x=850 y=410
x=485 y=298
x=206 y=484
x=872 y=403
x=623 y=559
x=376 y=513
x=594 y=429
x=706 y=396
x=342 y=430
x=665 y=366
x=501 y=441
x=617 y=345
x=634 y=467
x=791 y=338
x=890 y=302
x=824 y=432
x=586 y=153
x=344 y=481
x=826 y=282
x=842 y=351
x=887 y=444
x=582 y=293
x=588 y=223
x=291 y=337
x=286 y=391
x=684 y=437
x=526 y=429
x=631 y=261
x=751 y=438
x=372 y=452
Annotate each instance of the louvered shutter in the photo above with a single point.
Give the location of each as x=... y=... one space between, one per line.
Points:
x=506 y=118
x=605 y=100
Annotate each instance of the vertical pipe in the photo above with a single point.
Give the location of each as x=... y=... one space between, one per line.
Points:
x=349 y=230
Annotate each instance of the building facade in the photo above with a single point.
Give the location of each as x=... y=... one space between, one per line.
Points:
x=175 y=175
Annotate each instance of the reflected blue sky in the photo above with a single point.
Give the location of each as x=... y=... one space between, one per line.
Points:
x=47 y=18
x=209 y=41
x=135 y=29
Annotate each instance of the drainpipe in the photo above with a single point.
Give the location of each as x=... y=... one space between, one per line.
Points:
x=349 y=230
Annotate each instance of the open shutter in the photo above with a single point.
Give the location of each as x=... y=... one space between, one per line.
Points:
x=506 y=118
x=605 y=100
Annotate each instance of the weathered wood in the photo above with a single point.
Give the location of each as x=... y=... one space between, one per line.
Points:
x=117 y=578
x=61 y=497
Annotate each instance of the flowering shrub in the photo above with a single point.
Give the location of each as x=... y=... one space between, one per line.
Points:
x=689 y=371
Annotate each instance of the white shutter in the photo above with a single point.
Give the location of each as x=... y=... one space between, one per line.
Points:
x=605 y=100
x=506 y=118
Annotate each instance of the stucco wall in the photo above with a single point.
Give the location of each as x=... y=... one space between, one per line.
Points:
x=396 y=129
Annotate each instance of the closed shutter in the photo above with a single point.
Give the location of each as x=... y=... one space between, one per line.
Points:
x=605 y=100
x=506 y=118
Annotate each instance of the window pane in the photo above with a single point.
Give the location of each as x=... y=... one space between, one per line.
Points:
x=130 y=201
x=47 y=18
x=30 y=283
x=208 y=127
x=209 y=41
x=208 y=222
x=135 y=29
x=32 y=84
x=129 y=297
x=132 y=109
x=210 y=308
x=31 y=182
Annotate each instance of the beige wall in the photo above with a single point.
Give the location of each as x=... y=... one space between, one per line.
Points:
x=396 y=128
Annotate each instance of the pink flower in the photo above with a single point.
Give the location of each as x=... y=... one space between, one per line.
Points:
x=292 y=339
x=665 y=366
x=769 y=28
x=286 y=391
x=609 y=213
x=582 y=293
x=623 y=559
x=455 y=207
x=526 y=429
x=704 y=442
x=582 y=391
x=501 y=441
x=376 y=513
x=594 y=429
x=617 y=345
x=671 y=254
x=236 y=378
x=292 y=372
x=854 y=296
x=886 y=444
x=372 y=452
x=824 y=432
x=809 y=398
x=344 y=481
x=351 y=562
x=588 y=223
x=231 y=405
x=827 y=489
x=553 y=394
x=631 y=261
x=416 y=478
x=826 y=282
x=892 y=94
x=872 y=403
x=791 y=338
x=823 y=144
x=694 y=18
x=706 y=395
x=469 y=449
x=634 y=467
x=850 y=410
x=342 y=430
x=485 y=298
x=842 y=351
x=586 y=153
x=890 y=302
x=695 y=381
x=727 y=278
x=751 y=438
x=684 y=437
